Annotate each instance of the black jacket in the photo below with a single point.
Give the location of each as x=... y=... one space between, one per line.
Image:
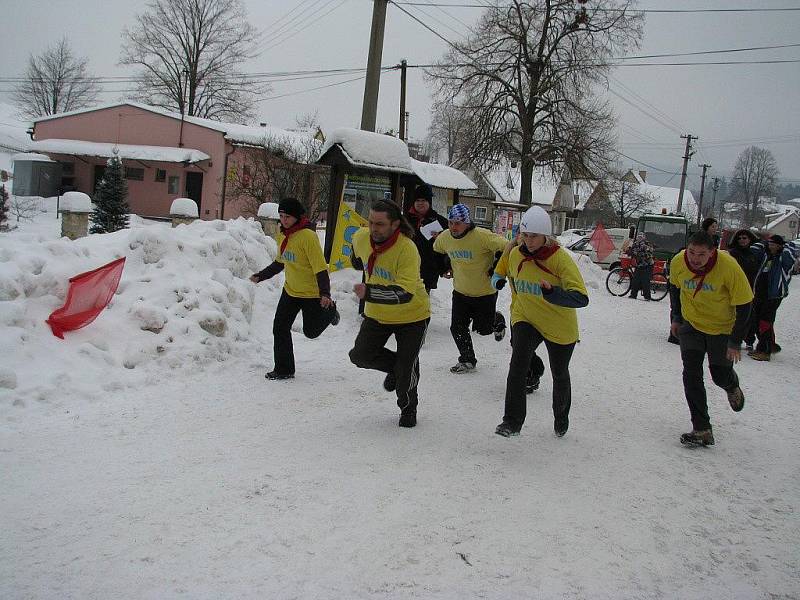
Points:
x=432 y=264
x=744 y=256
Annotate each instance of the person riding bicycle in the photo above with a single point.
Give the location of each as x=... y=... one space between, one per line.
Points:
x=642 y=252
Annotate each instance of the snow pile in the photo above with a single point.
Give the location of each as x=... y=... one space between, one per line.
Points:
x=183 y=207
x=184 y=299
x=268 y=210
x=77 y=202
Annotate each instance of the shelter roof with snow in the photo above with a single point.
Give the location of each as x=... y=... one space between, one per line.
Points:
x=129 y=151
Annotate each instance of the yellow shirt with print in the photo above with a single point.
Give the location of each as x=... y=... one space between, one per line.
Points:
x=471 y=257
x=399 y=266
x=558 y=324
x=713 y=309
x=302 y=260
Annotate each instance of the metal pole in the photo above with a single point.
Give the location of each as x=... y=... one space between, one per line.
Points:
x=702 y=189
x=688 y=137
x=403 y=65
x=369 y=108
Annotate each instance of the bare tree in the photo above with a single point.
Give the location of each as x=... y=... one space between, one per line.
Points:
x=754 y=175
x=25 y=207
x=277 y=168
x=449 y=132
x=526 y=80
x=626 y=199
x=55 y=81
x=190 y=53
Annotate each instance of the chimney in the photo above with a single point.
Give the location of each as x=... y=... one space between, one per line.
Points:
x=643 y=175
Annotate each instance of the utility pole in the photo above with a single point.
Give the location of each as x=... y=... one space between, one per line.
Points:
x=687 y=155
x=702 y=189
x=714 y=188
x=403 y=65
x=369 y=108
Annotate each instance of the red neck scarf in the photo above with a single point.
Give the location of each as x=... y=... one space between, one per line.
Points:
x=700 y=274
x=417 y=216
x=380 y=249
x=301 y=224
x=540 y=254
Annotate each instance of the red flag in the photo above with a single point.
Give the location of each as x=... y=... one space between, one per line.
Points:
x=88 y=294
x=601 y=242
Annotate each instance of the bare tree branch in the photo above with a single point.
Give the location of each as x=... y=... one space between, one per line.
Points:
x=524 y=83
x=190 y=53
x=55 y=82
x=754 y=175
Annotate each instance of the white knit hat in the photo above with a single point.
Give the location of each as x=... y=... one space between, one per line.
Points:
x=536 y=220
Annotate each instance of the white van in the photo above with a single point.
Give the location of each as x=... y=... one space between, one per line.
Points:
x=617 y=235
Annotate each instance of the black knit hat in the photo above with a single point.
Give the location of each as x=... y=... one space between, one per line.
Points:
x=776 y=239
x=423 y=190
x=291 y=206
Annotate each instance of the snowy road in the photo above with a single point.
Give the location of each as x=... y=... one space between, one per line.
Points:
x=207 y=481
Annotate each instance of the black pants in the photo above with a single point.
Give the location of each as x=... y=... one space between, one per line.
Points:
x=763 y=323
x=481 y=312
x=370 y=352
x=315 y=320
x=640 y=281
x=536 y=368
x=694 y=347
x=526 y=338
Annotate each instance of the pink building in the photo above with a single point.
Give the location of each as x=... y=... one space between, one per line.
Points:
x=165 y=155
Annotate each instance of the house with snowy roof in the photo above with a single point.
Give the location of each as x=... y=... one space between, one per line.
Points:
x=167 y=155
x=502 y=184
x=784 y=223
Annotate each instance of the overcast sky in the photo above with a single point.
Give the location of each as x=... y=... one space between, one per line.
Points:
x=728 y=106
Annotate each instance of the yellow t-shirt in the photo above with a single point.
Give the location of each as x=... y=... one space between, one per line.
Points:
x=471 y=257
x=399 y=266
x=558 y=324
x=713 y=309
x=302 y=259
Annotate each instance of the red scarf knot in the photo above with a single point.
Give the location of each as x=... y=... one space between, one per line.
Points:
x=538 y=255
x=380 y=249
x=700 y=274
x=301 y=224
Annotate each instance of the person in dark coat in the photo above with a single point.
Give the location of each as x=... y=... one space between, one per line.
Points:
x=642 y=252
x=711 y=227
x=421 y=213
x=739 y=249
x=775 y=263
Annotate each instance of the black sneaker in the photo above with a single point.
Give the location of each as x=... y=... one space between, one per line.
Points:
x=736 y=398
x=408 y=419
x=698 y=438
x=506 y=429
x=499 y=327
x=673 y=340
x=560 y=428
x=531 y=385
x=276 y=375
x=390 y=382
x=336 y=316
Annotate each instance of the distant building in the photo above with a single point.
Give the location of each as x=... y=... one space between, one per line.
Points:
x=167 y=156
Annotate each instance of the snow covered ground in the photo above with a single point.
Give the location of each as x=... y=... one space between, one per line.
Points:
x=146 y=456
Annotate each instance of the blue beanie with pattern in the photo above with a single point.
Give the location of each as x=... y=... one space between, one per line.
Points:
x=459 y=212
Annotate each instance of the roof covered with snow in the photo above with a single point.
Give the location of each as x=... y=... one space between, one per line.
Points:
x=370 y=150
x=233 y=132
x=667 y=198
x=788 y=214
x=506 y=182
x=442 y=176
x=129 y=151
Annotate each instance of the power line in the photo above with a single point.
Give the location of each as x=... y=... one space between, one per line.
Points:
x=644 y=10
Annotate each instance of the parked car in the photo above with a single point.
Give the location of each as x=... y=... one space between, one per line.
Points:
x=617 y=235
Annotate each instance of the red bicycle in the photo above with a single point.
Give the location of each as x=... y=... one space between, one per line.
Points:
x=618 y=281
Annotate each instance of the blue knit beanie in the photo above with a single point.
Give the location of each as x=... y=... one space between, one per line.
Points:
x=459 y=212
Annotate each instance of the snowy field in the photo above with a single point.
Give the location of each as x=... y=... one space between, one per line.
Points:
x=146 y=456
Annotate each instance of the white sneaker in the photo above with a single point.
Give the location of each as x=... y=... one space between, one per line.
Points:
x=462 y=367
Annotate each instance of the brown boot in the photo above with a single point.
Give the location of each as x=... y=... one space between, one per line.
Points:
x=760 y=356
x=736 y=398
x=698 y=438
